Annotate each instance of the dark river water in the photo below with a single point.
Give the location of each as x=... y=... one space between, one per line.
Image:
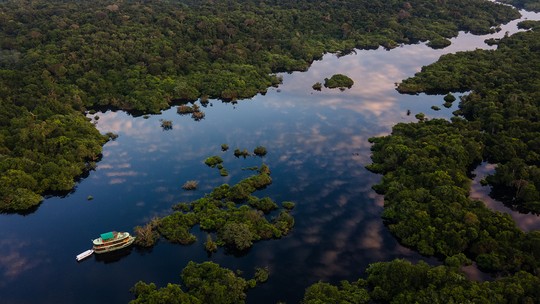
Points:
x=317 y=148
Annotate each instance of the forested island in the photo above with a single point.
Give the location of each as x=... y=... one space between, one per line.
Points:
x=62 y=58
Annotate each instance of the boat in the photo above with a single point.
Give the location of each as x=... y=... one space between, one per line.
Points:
x=111 y=241
x=84 y=255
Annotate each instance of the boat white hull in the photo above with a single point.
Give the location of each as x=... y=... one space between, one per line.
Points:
x=84 y=255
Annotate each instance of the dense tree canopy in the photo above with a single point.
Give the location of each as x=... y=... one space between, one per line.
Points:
x=400 y=281
x=59 y=58
x=204 y=283
x=504 y=104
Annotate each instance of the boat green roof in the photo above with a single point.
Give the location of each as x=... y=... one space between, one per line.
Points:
x=107 y=236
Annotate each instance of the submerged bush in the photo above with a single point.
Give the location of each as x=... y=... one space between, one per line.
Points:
x=213 y=161
x=288 y=205
x=166 y=124
x=260 y=151
x=190 y=185
x=244 y=153
x=147 y=235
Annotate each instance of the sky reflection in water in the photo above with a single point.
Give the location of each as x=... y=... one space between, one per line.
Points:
x=317 y=143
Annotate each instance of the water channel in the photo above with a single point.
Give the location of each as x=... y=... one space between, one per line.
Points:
x=317 y=149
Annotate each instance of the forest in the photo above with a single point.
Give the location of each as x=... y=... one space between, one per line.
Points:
x=60 y=59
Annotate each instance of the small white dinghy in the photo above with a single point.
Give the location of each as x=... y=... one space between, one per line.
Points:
x=84 y=255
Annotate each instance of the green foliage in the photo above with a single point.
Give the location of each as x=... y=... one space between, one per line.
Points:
x=213 y=161
x=210 y=245
x=449 y=98
x=171 y=294
x=288 y=205
x=530 y=5
x=175 y=227
x=261 y=275
x=166 y=124
x=227 y=211
x=317 y=86
x=503 y=103
x=426 y=190
x=244 y=153
x=224 y=147
x=529 y=24
x=439 y=43
x=338 y=81
x=237 y=235
x=264 y=204
x=223 y=172
x=204 y=283
x=60 y=58
x=346 y=293
x=211 y=283
x=400 y=281
x=260 y=151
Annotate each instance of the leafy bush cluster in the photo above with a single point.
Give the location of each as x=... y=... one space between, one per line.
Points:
x=203 y=283
x=232 y=213
x=338 y=81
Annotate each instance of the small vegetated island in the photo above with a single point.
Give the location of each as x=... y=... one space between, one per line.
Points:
x=59 y=59
x=338 y=81
x=232 y=214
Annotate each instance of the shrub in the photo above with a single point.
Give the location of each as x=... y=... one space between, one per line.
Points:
x=317 y=86
x=198 y=115
x=224 y=147
x=260 y=151
x=223 y=172
x=210 y=245
x=166 y=124
x=288 y=205
x=338 y=81
x=449 y=98
x=184 y=109
x=261 y=274
x=147 y=236
x=190 y=185
x=239 y=153
x=212 y=161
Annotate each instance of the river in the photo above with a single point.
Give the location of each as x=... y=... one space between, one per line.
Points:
x=317 y=149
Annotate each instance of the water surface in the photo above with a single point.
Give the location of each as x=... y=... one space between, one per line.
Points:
x=317 y=149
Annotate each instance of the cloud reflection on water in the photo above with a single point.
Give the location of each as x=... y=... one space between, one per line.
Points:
x=13 y=261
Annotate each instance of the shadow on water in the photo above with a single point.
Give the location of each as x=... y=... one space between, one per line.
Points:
x=114 y=256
